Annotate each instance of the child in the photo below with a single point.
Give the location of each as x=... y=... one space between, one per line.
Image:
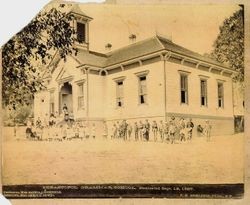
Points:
x=140 y=130
x=161 y=131
x=136 y=129
x=76 y=130
x=64 y=131
x=69 y=132
x=166 y=132
x=207 y=130
x=182 y=130
x=129 y=128
x=28 y=129
x=105 y=130
x=114 y=132
x=155 y=130
x=144 y=132
x=172 y=130
x=190 y=126
x=81 y=131
x=199 y=130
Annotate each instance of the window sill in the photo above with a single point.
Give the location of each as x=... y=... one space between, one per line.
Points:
x=118 y=107
x=142 y=104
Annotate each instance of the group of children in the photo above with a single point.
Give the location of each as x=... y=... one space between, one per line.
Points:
x=168 y=131
x=65 y=130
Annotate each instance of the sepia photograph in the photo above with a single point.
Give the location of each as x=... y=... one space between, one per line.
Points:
x=131 y=101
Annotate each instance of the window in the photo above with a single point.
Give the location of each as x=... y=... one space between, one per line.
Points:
x=184 y=89
x=142 y=89
x=220 y=95
x=119 y=93
x=81 y=32
x=80 y=96
x=52 y=102
x=203 y=92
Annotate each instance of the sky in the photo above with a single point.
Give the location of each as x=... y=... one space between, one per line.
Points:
x=19 y=13
x=194 y=27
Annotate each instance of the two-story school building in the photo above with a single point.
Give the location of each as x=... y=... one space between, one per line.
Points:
x=152 y=79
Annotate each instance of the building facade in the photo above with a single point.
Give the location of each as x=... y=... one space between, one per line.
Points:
x=153 y=79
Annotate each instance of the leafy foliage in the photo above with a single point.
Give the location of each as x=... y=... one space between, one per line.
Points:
x=19 y=115
x=31 y=49
x=229 y=45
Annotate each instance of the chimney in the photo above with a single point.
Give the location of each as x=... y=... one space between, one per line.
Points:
x=108 y=46
x=132 y=38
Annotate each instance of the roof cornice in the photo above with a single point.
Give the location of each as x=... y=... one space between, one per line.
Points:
x=164 y=52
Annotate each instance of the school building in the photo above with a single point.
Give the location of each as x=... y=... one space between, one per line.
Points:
x=152 y=79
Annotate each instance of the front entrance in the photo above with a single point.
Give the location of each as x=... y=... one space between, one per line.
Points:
x=66 y=97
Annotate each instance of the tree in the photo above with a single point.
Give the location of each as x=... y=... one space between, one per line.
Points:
x=229 y=48
x=229 y=45
x=20 y=115
x=32 y=48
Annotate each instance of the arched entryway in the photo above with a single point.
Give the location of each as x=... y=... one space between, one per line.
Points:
x=66 y=97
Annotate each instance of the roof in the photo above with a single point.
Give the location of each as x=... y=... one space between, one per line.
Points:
x=76 y=10
x=134 y=50
x=170 y=46
x=91 y=58
x=152 y=45
x=139 y=49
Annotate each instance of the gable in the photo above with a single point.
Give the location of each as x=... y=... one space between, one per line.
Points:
x=65 y=69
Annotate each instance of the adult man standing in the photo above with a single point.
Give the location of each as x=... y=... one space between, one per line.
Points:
x=136 y=130
x=147 y=126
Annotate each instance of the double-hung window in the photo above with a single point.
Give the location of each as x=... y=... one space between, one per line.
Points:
x=80 y=95
x=220 y=94
x=143 y=89
x=81 y=33
x=203 y=88
x=52 y=102
x=119 y=93
x=184 y=88
x=142 y=78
